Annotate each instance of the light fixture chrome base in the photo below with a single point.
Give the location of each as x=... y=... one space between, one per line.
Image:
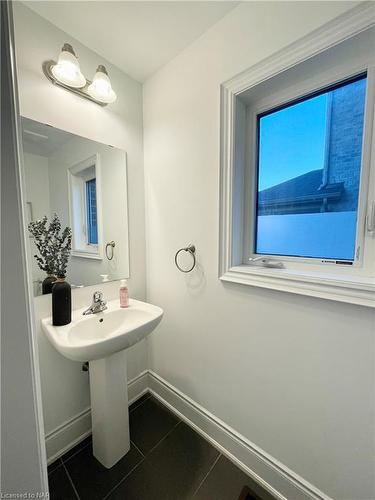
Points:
x=47 y=70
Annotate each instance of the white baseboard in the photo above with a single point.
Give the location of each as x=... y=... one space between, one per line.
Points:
x=272 y=475
x=75 y=429
x=68 y=434
x=137 y=386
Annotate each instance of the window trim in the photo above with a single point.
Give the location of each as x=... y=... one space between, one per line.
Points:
x=356 y=289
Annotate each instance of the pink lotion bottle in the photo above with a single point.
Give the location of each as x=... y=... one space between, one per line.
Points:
x=124 y=293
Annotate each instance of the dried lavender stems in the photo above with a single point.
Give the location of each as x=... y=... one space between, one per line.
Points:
x=53 y=245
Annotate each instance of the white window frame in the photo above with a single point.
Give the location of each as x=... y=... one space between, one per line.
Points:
x=77 y=180
x=351 y=284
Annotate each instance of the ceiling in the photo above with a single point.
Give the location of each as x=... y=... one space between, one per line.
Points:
x=137 y=37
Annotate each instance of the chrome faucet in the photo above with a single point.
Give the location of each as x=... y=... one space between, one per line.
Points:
x=98 y=304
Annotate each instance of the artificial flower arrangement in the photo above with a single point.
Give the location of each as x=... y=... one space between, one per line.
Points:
x=54 y=247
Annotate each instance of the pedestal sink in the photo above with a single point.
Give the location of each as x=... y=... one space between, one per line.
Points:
x=102 y=339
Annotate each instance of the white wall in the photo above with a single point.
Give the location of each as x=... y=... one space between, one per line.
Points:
x=37 y=193
x=294 y=375
x=120 y=125
x=37 y=184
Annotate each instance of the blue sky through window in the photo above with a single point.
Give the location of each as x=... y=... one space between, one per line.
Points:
x=292 y=141
x=92 y=223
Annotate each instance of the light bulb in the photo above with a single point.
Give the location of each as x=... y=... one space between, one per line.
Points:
x=67 y=70
x=101 y=88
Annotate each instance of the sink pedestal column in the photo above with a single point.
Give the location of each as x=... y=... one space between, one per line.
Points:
x=109 y=408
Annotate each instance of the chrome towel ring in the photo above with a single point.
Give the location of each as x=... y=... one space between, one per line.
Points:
x=110 y=253
x=191 y=250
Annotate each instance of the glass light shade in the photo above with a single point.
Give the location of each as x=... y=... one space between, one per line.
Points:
x=67 y=70
x=101 y=88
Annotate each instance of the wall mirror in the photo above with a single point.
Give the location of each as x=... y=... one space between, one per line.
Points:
x=84 y=183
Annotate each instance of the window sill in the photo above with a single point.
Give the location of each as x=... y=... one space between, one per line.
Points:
x=86 y=255
x=360 y=291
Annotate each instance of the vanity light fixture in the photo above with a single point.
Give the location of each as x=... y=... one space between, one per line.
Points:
x=66 y=73
x=101 y=88
x=67 y=70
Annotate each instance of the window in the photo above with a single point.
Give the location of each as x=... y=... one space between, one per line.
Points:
x=308 y=172
x=297 y=187
x=84 y=195
x=92 y=222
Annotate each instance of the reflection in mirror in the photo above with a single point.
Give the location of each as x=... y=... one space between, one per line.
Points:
x=84 y=183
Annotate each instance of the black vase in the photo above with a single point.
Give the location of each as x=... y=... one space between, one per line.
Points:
x=47 y=284
x=61 y=303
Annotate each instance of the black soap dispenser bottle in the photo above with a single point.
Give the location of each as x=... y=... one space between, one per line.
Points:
x=61 y=302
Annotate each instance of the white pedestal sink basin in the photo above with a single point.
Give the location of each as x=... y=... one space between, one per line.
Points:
x=101 y=339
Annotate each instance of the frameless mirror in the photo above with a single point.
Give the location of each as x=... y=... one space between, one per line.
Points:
x=84 y=183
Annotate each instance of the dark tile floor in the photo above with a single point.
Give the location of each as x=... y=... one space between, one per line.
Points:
x=167 y=461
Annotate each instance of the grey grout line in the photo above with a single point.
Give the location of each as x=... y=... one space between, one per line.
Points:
x=56 y=467
x=136 y=447
x=64 y=460
x=141 y=461
x=88 y=444
x=71 y=481
x=74 y=454
x=136 y=466
x=140 y=404
x=206 y=476
x=163 y=438
x=123 y=479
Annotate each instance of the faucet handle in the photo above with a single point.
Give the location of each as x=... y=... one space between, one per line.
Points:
x=97 y=297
